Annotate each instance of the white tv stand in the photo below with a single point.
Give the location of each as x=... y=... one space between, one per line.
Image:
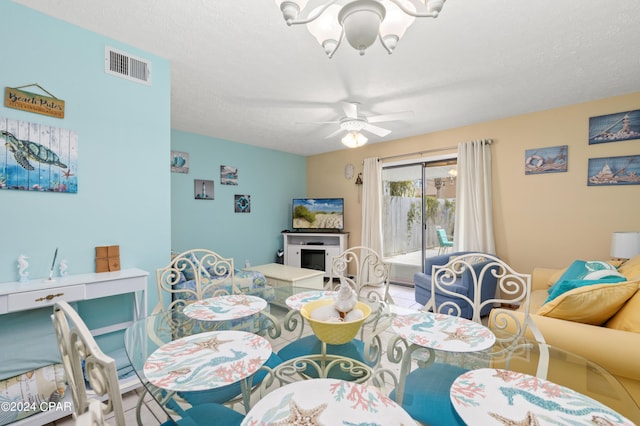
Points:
x=313 y=250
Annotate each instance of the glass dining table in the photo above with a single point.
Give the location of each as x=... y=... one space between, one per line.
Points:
x=165 y=350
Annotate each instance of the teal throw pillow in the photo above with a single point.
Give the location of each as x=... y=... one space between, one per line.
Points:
x=581 y=273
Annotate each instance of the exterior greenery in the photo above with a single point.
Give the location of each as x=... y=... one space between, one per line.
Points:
x=402 y=215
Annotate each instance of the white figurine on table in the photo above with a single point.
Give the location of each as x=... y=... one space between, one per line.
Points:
x=63 y=268
x=22 y=268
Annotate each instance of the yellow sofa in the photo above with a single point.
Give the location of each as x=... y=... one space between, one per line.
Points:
x=616 y=350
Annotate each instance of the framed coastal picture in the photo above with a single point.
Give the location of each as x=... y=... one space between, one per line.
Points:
x=179 y=162
x=617 y=127
x=228 y=175
x=623 y=170
x=202 y=189
x=545 y=160
x=242 y=203
x=38 y=157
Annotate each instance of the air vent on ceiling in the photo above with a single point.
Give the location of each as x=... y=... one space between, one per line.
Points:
x=126 y=66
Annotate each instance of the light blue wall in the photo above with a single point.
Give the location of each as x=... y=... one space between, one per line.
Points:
x=123 y=142
x=271 y=178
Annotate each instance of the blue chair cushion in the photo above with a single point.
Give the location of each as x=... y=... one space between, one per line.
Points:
x=226 y=393
x=312 y=345
x=207 y=414
x=426 y=395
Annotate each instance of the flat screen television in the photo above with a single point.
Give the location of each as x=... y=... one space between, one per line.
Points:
x=318 y=214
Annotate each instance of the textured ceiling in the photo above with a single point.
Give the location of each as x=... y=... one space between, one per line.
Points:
x=238 y=72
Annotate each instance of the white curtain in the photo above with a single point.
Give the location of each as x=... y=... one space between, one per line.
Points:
x=474 y=214
x=371 y=235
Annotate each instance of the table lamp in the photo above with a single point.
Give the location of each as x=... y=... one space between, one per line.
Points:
x=625 y=245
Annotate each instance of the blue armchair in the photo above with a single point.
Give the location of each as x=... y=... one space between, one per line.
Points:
x=462 y=284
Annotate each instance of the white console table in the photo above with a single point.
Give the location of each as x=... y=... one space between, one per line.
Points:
x=39 y=293
x=313 y=250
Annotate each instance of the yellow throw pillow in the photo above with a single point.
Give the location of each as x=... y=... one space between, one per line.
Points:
x=631 y=268
x=593 y=304
x=628 y=317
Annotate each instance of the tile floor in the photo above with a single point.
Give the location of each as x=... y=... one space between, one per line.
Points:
x=152 y=414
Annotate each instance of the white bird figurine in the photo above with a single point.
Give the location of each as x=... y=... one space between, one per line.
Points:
x=63 y=267
x=345 y=299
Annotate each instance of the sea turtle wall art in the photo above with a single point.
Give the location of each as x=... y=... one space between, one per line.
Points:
x=37 y=157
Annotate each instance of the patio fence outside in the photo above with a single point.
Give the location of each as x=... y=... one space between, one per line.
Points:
x=401 y=223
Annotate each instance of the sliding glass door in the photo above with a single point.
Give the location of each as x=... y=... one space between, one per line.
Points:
x=418 y=199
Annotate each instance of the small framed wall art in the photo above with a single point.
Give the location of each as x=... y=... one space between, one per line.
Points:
x=623 y=170
x=228 y=175
x=545 y=160
x=38 y=157
x=617 y=127
x=242 y=203
x=202 y=189
x=179 y=162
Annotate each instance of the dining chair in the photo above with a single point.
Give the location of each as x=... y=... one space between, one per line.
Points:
x=195 y=275
x=77 y=348
x=364 y=270
x=87 y=367
x=191 y=276
x=426 y=390
x=92 y=417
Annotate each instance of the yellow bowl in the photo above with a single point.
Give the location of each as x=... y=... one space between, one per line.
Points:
x=334 y=333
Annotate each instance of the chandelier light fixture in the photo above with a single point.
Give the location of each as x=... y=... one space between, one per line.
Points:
x=361 y=22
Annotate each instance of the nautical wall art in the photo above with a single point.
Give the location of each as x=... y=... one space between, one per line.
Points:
x=242 y=203
x=622 y=126
x=37 y=157
x=623 y=170
x=179 y=162
x=202 y=189
x=545 y=160
x=228 y=175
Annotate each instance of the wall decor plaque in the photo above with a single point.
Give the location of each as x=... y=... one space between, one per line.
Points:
x=622 y=126
x=31 y=102
x=38 y=157
x=545 y=160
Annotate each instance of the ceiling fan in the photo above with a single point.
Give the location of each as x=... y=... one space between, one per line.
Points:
x=353 y=123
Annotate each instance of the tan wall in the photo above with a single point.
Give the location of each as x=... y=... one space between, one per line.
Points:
x=540 y=220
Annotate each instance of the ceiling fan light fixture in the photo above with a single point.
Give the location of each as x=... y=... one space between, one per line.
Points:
x=361 y=22
x=354 y=140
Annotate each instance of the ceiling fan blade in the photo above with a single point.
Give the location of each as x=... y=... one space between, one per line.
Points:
x=350 y=109
x=379 y=131
x=390 y=117
x=317 y=122
x=333 y=134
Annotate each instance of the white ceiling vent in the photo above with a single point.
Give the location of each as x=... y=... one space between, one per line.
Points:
x=126 y=66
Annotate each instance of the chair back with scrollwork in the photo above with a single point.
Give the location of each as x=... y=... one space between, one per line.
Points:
x=77 y=348
x=364 y=270
x=508 y=288
x=195 y=275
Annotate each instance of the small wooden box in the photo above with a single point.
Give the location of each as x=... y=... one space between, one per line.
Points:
x=107 y=258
